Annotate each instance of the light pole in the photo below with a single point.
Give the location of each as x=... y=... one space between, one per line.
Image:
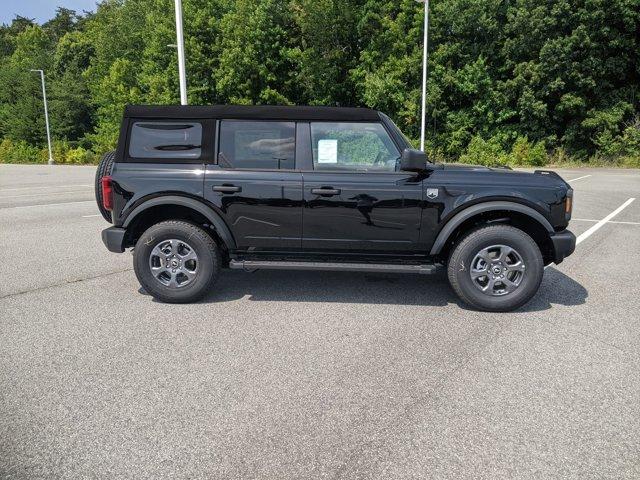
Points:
x=180 y=44
x=424 y=71
x=46 y=114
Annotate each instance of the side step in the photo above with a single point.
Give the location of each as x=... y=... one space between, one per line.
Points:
x=424 y=269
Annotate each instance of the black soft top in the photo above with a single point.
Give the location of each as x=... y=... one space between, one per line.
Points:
x=258 y=112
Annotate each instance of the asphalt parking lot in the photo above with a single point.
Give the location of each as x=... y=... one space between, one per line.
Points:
x=285 y=375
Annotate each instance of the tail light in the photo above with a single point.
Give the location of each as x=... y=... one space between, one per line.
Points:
x=107 y=193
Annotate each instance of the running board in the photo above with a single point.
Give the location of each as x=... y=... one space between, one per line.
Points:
x=424 y=269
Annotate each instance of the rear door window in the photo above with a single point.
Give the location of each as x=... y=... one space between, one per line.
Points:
x=171 y=140
x=257 y=144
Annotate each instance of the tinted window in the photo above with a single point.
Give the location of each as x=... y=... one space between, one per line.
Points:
x=352 y=147
x=257 y=144
x=166 y=140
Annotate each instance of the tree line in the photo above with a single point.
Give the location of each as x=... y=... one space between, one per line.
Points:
x=510 y=81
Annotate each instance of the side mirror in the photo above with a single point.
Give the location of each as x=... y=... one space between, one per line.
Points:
x=413 y=160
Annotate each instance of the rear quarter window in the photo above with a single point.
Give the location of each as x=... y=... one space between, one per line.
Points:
x=170 y=140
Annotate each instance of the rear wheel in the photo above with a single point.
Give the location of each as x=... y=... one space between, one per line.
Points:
x=176 y=261
x=496 y=268
x=104 y=168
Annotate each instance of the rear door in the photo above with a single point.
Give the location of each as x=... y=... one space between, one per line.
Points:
x=255 y=185
x=355 y=197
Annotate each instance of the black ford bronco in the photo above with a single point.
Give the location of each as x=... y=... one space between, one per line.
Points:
x=194 y=189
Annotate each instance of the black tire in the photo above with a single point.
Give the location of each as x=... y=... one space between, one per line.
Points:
x=205 y=248
x=104 y=168
x=467 y=251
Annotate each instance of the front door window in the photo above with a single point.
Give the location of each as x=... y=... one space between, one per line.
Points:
x=353 y=146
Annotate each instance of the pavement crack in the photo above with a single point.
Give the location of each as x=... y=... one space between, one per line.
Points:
x=61 y=284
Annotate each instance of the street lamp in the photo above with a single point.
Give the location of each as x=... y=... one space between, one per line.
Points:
x=180 y=44
x=46 y=114
x=424 y=71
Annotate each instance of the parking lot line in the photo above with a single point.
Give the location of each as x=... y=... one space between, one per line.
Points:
x=90 y=216
x=610 y=221
x=46 y=205
x=579 y=178
x=606 y=219
x=48 y=187
x=41 y=194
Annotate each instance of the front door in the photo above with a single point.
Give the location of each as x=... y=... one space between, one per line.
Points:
x=355 y=197
x=255 y=185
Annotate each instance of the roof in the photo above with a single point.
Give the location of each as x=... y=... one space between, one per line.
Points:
x=259 y=112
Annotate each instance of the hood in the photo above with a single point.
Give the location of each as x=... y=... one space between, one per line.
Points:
x=503 y=174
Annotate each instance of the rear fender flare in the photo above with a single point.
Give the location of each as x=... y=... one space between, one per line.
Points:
x=473 y=210
x=210 y=214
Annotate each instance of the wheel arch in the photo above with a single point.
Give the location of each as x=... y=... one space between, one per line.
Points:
x=177 y=207
x=520 y=216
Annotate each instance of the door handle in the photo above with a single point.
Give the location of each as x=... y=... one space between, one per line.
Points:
x=325 y=191
x=226 y=188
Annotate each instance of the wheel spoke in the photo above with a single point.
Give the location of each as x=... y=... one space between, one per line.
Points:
x=173 y=281
x=475 y=274
x=509 y=286
x=190 y=255
x=174 y=246
x=516 y=267
x=504 y=253
x=157 y=252
x=158 y=270
x=485 y=255
x=190 y=274
x=489 y=286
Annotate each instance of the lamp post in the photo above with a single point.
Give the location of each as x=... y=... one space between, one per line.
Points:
x=424 y=71
x=46 y=114
x=180 y=44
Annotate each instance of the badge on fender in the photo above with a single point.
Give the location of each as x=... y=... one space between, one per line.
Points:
x=432 y=193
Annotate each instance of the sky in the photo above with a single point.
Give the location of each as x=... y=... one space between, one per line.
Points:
x=41 y=10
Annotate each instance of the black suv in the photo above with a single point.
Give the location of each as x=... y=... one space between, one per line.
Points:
x=198 y=188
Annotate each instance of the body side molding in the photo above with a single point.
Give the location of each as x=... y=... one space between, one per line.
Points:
x=469 y=212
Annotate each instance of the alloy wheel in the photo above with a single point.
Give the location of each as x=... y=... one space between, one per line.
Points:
x=173 y=263
x=497 y=270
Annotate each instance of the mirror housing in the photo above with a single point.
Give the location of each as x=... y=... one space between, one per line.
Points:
x=413 y=160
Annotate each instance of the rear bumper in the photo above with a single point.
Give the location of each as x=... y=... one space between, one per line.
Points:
x=113 y=238
x=564 y=243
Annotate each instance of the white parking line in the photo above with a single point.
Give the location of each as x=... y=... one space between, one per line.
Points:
x=579 y=178
x=91 y=216
x=46 y=205
x=598 y=225
x=617 y=222
x=41 y=194
x=42 y=187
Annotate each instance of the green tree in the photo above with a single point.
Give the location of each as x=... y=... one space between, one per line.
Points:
x=255 y=64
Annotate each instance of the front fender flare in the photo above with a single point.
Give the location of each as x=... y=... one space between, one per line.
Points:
x=476 y=209
x=210 y=214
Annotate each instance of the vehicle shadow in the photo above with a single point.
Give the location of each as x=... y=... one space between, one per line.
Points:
x=333 y=287
x=373 y=288
x=556 y=289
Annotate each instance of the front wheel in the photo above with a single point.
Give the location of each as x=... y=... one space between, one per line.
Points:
x=497 y=268
x=176 y=261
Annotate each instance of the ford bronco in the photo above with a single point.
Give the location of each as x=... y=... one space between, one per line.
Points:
x=194 y=189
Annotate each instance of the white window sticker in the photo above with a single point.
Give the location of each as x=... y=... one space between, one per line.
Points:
x=327 y=151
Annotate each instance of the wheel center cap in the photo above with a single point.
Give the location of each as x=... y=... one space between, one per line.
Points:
x=174 y=263
x=496 y=270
